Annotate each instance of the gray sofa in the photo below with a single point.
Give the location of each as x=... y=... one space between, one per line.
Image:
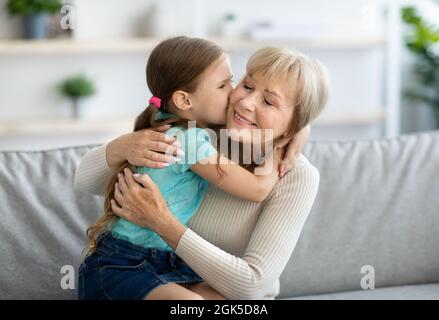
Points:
x=377 y=206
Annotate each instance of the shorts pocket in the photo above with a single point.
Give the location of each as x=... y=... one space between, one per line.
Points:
x=186 y=272
x=89 y=262
x=118 y=262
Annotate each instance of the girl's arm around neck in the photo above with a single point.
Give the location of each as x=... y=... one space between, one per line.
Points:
x=237 y=180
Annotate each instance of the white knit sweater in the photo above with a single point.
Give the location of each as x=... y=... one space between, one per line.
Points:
x=238 y=247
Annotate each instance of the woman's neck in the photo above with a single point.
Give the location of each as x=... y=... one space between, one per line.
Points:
x=247 y=155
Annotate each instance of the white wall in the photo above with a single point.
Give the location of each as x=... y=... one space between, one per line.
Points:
x=28 y=83
x=110 y=19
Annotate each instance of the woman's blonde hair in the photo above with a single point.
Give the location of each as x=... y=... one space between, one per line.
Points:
x=307 y=76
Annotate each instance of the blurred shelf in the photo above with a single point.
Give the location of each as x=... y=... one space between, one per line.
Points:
x=76 y=127
x=65 y=127
x=373 y=116
x=142 y=45
x=75 y=47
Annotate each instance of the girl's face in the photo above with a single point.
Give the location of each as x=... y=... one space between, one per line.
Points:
x=211 y=98
x=254 y=104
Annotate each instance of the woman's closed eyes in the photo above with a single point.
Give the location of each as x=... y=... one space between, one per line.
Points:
x=265 y=100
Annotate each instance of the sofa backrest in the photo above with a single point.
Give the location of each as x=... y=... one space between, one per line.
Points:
x=377 y=205
x=43 y=222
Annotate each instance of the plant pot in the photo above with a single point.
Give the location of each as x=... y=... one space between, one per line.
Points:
x=36 y=26
x=78 y=107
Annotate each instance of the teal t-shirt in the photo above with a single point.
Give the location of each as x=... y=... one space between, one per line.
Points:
x=182 y=189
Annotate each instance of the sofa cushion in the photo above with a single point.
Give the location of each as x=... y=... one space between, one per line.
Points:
x=414 y=292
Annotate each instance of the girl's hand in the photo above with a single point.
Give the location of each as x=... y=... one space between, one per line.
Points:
x=139 y=200
x=293 y=150
x=148 y=147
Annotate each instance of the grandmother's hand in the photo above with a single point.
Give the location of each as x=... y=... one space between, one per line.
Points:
x=293 y=150
x=148 y=148
x=140 y=201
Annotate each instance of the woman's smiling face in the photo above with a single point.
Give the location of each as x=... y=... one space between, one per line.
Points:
x=257 y=104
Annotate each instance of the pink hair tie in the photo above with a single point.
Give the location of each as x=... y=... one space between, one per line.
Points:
x=155 y=101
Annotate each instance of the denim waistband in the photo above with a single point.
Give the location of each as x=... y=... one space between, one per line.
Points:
x=107 y=240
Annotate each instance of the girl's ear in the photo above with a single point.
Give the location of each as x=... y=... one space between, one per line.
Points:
x=181 y=100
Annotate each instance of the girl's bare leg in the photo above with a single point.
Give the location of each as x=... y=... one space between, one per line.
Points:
x=205 y=291
x=173 y=291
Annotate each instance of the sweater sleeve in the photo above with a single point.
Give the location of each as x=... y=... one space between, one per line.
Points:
x=93 y=172
x=271 y=244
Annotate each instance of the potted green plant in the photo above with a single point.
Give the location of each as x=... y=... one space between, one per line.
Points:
x=35 y=14
x=77 y=88
x=423 y=42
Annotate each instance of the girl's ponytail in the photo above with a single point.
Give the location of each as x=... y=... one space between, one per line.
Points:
x=108 y=217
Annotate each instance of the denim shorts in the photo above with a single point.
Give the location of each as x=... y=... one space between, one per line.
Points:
x=120 y=270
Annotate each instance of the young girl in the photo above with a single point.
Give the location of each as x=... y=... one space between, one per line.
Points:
x=190 y=79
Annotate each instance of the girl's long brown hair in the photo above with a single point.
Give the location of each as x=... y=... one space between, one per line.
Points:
x=174 y=64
